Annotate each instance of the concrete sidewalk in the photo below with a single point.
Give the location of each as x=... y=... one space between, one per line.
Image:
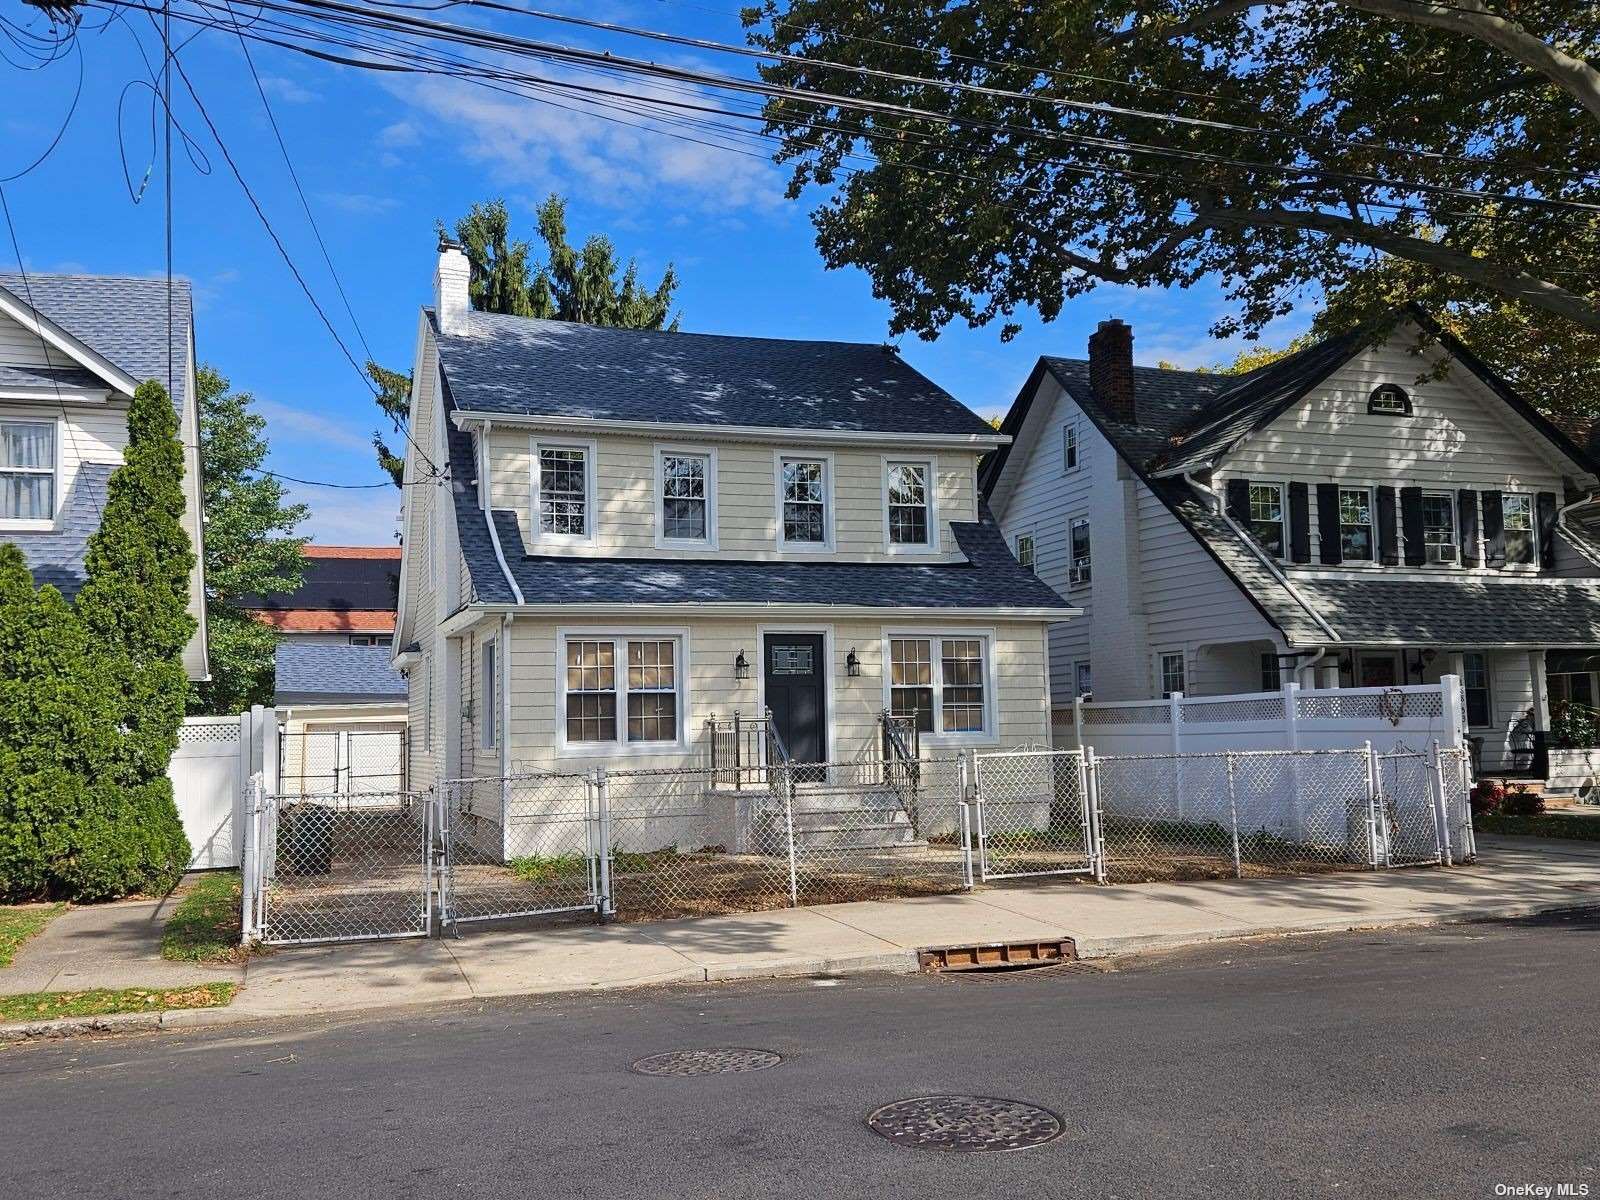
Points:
x=118 y=945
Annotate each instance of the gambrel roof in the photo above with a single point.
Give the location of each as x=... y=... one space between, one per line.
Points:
x=1188 y=420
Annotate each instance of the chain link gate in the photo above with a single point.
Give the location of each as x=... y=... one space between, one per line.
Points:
x=1035 y=814
x=1407 y=812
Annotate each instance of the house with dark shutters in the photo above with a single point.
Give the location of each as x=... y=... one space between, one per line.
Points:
x=616 y=540
x=1374 y=510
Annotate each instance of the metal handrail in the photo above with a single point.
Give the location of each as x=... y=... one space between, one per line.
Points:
x=900 y=762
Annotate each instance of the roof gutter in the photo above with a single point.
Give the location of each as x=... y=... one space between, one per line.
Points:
x=747 y=433
x=469 y=615
x=487 y=508
x=1265 y=559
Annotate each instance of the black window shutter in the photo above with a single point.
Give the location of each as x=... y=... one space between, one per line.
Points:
x=1547 y=530
x=1299 y=523
x=1468 y=505
x=1239 y=501
x=1328 y=523
x=1494 y=530
x=1411 y=525
x=1388 y=541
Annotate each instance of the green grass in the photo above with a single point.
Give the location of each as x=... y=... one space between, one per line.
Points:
x=100 y=1002
x=557 y=868
x=1550 y=825
x=18 y=924
x=204 y=927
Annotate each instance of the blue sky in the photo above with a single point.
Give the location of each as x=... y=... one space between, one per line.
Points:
x=380 y=159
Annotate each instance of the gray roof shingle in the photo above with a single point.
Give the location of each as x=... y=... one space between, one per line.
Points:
x=56 y=556
x=44 y=379
x=122 y=317
x=520 y=365
x=1461 y=612
x=308 y=672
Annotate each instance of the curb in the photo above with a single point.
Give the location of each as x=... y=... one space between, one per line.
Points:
x=72 y=1026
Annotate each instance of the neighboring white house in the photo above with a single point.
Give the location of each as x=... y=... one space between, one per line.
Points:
x=640 y=530
x=72 y=350
x=341 y=712
x=1361 y=513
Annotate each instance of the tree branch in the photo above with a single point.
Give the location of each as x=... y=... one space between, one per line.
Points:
x=1161 y=253
x=1468 y=17
x=1515 y=285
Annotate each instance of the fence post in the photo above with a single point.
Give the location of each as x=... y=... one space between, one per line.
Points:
x=1441 y=811
x=738 y=751
x=247 y=859
x=964 y=769
x=1377 y=837
x=1450 y=707
x=1233 y=820
x=606 y=902
x=1095 y=833
x=788 y=833
x=1077 y=718
x=1295 y=824
x=1175 y=719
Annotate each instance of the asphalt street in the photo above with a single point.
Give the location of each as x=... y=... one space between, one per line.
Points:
x=1454 y=1062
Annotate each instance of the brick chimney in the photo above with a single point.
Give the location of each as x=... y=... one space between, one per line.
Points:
x=451 y=304
x=1111 y=370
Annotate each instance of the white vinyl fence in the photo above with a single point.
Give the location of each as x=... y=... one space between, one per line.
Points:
x=214 y=759
x=1388 y=719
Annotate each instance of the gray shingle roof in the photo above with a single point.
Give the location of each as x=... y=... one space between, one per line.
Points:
x=122 y=317
x=56 y=556
x=1462 y=612
x=43 y=379
x=559 y=369
x=990 y=578
x=308 y=672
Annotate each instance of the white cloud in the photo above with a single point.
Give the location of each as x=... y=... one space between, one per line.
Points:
x=400 y=133
x=341 y=517
x=288 y=90
x=358 y=203
x=285 y=423
x=630 y=159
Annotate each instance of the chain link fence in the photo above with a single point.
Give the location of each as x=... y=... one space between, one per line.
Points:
x=651 y=844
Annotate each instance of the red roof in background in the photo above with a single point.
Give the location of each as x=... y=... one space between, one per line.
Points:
x=312 y=620
x=311 y=551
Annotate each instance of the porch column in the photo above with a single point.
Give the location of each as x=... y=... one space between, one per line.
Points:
x=1541 y=714
x=1458 y=664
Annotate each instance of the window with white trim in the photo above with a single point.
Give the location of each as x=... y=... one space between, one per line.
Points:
x=1439 y=542
x=1173 y=676
x=371 y=639
x=940 y=683
x=489 y=701
x=645 y=693
x=1475 y=684
x=685 y=496
x=1079 y=569
x=1522 y=537
x=1025 y=550
x=1069 y=446
x=1266 y=517
x=1356 y=543
x=909 y=489
x=805 y=501
x=27 y=470
x=1083 y=679
x=1271 y=676
x=563 y=493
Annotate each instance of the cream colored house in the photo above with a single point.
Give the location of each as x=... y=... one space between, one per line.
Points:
x=613 y=537
x=1378 y=509
x=72 y=350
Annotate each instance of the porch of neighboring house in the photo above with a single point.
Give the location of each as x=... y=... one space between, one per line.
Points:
x=1533 y=715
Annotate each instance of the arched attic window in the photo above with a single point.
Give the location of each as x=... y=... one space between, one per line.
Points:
x=1389 y=400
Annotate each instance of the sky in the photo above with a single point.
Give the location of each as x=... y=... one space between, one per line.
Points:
x=382 y=158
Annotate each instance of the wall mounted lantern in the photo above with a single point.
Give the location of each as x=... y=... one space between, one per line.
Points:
x=741 y=667
x=852 y=664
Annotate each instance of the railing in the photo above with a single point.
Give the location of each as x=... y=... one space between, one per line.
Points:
x=738 y=747
x=902 y=763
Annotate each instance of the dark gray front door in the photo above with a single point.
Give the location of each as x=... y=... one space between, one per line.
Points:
x=796 y=693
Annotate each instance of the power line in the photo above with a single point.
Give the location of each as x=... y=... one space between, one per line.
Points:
x=348 y=487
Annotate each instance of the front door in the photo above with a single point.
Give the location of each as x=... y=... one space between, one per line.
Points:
x=1378 y=670
x=797 y=693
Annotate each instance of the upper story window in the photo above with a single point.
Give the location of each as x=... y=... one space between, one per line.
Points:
x=27 y=470
x=1266 y=517
x=1439 y=541
x=1522 y=538
x=940 y=683
x=1025 y=550
x=1083 y=679
x=1069 y=446
x=685 y=495
x=564 y=493
x=1356 y=543
x=1079 y=570
x=909 y=488
x=803 y=497
x=371 y=639
x=1389 y=400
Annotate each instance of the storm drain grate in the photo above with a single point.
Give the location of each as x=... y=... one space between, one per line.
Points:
x=991 y=956
x=713 y=1061
x=967 y=1124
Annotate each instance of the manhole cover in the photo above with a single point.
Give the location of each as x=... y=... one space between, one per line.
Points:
x=716 y=1061
x=965 y=1123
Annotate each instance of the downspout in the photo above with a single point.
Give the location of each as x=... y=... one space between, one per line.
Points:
x=1561 y=523
x=485 y=502
x=1266 y=560
x=504 y=699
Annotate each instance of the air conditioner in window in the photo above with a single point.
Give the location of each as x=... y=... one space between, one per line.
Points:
x=1079 y=573
x=1442 y=553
